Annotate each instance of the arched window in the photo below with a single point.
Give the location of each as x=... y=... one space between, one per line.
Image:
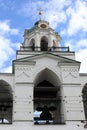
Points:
x=32 y=44
x=48 y=99
x=44 y=44
x=6 y=103
x=54 y=44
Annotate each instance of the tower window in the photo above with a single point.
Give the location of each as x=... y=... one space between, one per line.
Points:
x=32 y=44
x=44 y=44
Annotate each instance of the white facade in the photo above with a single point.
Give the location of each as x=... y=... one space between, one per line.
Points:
x=41 y=58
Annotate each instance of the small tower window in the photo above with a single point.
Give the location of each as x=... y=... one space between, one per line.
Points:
x=54 y=44
x=32 y=44
x=44 y=44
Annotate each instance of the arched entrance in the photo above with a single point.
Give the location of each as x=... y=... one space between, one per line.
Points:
x=6 y=103
x=48 y=99
x=44 y=44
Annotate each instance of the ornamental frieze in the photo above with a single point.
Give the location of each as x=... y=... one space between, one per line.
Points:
x=23 y=68
x=70 y=69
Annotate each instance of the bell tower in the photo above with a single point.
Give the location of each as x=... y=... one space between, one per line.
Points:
x=45 y=84
x=41 y=37
x=44 y=73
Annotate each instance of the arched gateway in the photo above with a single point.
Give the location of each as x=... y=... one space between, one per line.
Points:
x=48 y=104
x=6 y=103
x=84 y=95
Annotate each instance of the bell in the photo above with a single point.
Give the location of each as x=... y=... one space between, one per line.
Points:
x=52 y=108
x=39 y=109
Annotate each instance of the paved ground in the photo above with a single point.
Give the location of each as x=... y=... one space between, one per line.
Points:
x=29 y=126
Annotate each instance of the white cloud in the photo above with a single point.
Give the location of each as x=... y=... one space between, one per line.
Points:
x=7 y=51
x=78 y=17
x=63 y=32
x=5 y=28
x=76 y=45
x=81 y=56
x=69 y=44
x=80 y=48
x=5 y=45
x=55 y=17
x=82 y=43
x=52 y=10
x=7 y=69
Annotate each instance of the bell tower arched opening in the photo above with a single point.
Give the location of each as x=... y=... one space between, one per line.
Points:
x=48 y=99
x=44 y=44
x=32 y=44
x=6 y=103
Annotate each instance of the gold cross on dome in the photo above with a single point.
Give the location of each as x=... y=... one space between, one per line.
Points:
x=40 y=13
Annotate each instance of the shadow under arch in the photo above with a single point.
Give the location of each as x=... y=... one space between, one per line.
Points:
x=44 y=43
x=48 y=98
x=6 y=103
x=84 y=96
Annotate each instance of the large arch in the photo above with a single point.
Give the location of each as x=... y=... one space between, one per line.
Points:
x=84 y=96
x=48 y=96
x=6 y=102
x=44 y=43
x=47 y=73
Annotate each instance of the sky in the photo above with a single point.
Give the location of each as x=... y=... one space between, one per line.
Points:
x=67 y=17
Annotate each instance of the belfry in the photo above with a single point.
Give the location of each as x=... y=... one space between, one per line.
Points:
x=45 y=86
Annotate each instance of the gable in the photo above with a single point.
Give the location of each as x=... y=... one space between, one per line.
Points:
x=47 y=56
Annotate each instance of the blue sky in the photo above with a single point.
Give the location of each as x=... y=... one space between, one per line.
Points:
x=67 y=17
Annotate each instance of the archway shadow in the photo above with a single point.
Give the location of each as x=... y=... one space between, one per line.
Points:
x=47 y=94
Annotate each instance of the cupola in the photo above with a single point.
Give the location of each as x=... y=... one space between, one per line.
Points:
x=41 y=37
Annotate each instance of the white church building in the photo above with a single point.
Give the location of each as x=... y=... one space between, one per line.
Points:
x=45 y=87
